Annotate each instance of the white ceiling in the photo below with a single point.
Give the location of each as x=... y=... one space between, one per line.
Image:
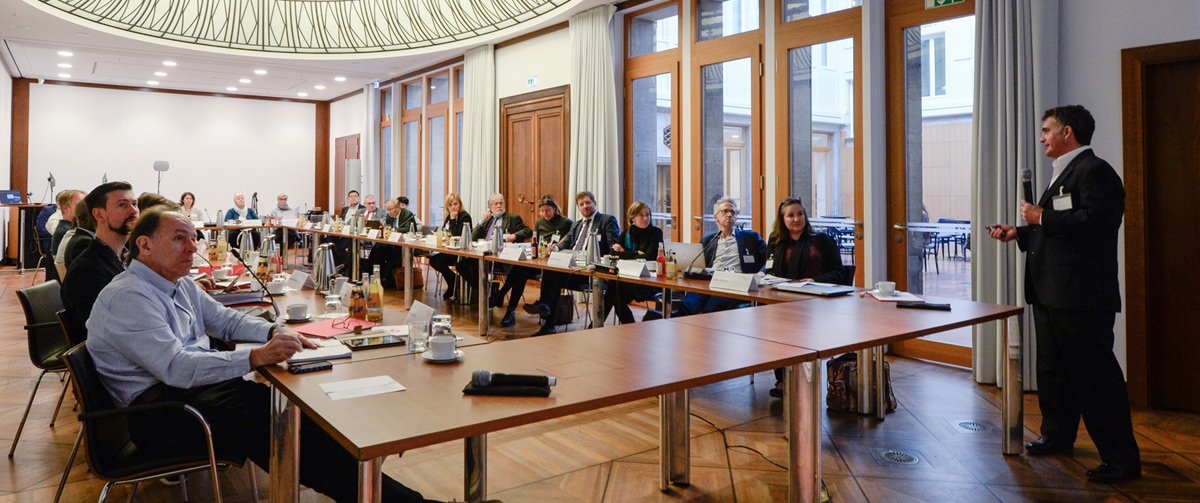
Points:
x=32 y=39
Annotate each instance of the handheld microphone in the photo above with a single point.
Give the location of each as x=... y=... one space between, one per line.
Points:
x=1027 y=184
x=488 y=378
x=238 y=255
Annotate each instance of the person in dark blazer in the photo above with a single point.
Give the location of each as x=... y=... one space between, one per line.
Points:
x=550 y=227
x=639 y=240
x=794 y=251
x=456 y=217
x=399 y=217
x=1070 y=245
x=352 y=207
x=510 y=226
x=341 y=245
x=591 y=222
x=728 y=248
x=115 y=210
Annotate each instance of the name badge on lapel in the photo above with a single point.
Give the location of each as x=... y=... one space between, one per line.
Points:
x=1062 y=202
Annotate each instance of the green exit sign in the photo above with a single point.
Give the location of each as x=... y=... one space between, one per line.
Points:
x=933 y=4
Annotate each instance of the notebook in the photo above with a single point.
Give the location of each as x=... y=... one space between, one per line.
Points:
x=814 y=288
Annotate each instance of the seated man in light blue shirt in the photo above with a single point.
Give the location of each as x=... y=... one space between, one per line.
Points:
x=149 y=336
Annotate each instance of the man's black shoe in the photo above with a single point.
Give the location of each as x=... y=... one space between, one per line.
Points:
x=1042 y=447
x=545 y=330
x=496 y=300
x=448 y=294
x=538 y=308
x=775 y=392
x=1112 y=473
x=509 y=320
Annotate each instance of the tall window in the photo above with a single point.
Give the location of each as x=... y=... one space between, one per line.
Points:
x=385 y=142
x=430 y=117
x=933 y=65
x=651 y=169
x=722 y=18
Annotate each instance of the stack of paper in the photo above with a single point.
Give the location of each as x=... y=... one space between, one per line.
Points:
x=367 y=386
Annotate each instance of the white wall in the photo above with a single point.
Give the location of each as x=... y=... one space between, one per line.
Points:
x=1091 y=36
x=216 y=146
x=547 y=57
x=5 y=150
x=346 y=117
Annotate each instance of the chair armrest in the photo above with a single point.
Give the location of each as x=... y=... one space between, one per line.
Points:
x=44 y=324
x=135 y=409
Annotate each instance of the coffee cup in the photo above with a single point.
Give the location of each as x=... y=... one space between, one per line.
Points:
x=886 y=287
x=221 y=273
x=275 y=287
x=297 y=311
x=442 y=347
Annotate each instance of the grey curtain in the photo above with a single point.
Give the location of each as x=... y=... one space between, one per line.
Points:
x=1013 y=80
x=479 y=175
x=595 y=163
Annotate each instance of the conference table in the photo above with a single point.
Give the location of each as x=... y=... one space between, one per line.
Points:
x=611 y=365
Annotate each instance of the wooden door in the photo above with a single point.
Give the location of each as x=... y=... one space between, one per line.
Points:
x=344 y=148
x=534 y=132
x=1161 y=159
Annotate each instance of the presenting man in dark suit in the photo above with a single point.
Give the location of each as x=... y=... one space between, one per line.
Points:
x=591 y=222
x=1071 y=284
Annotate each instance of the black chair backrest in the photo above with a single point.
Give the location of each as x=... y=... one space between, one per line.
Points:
x=107 y=438
x=46 y=338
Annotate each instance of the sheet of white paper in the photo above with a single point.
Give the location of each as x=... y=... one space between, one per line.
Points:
x=419 y=312
x=353 y=388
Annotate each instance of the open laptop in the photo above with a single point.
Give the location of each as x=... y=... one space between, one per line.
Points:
x=685 y=253
x=813 y=288
x=10 y=197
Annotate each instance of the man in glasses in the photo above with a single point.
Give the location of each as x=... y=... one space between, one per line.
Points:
x=728 y=249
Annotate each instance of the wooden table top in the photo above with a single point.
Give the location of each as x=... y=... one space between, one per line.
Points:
x=595 y=368
x=831 y=326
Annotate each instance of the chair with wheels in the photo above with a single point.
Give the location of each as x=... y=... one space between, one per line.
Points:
x=46 y=341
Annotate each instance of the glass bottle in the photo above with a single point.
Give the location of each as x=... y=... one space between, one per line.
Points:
x=375 y=297
x=358 y=299
x=662 y=262
x=672 y=267
x=222 y=245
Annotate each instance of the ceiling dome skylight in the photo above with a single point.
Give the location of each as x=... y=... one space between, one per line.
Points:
x=319 y=29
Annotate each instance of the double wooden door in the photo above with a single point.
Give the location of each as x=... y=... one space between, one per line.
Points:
x=534 y=134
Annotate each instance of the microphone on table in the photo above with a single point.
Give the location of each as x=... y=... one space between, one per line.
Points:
x=238 y=255
x=1027 y=184
x=488 y=378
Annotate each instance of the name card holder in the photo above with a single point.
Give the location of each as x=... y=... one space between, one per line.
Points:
x=396 y=237
x=298 y=280
x=733 y=282
x=328 y=228
x=252 y=223
x=516 y=253
x=632 y=268
x=563 y=259
x=288 y=222
x=373 y=234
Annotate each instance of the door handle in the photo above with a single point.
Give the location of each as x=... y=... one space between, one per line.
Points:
x=900 y=227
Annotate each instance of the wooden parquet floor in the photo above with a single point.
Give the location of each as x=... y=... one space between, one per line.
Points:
x=612 y=454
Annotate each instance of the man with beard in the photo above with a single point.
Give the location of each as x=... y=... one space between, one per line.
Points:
x=115 y=209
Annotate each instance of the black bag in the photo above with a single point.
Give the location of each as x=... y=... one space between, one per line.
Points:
x=842 y=375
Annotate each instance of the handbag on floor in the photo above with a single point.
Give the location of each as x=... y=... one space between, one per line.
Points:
x=842 y=375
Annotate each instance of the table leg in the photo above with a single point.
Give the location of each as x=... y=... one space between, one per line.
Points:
x=285 y=449
x=1012 y=401
x=597 y=298
x=674 y=439
x=881 y=393
x=803 y=416
x=866 y=381
x=370 y=480
x=283 y=250
x=484 y=288
x=355 y=251
x=475 y=469
x=666 y=303
x=407 y=259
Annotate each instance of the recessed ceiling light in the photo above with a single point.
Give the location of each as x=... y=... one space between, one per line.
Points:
x=244 y=80
x=152 y=82
x=160 y=74
x=169 y=63
x=231 y=89
x=64 y=65
x=64 y=75
x=66 y=54
x=302 y=95
x=319 y=87
x=260 y=71
x=340 y=78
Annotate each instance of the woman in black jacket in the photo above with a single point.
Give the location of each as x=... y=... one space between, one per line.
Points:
x=452 y=226
x=639 y=240
x=794 y=251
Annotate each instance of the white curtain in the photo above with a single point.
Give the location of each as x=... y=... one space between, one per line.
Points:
x=368 y=150
x=595 y=162
x=479 y=167
x=1010 y=88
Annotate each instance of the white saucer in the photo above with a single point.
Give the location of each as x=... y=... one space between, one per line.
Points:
x=288 y=319
x=428 y=356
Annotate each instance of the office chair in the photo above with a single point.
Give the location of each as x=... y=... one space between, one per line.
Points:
x=45 y=339
x=111 y=455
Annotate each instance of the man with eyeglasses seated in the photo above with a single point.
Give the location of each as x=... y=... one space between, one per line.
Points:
x=388 y=257
x=551 y=226
x=149 y=337
x=591 y=222
x=510 y=226
x=728 y=249
x=284 y=211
